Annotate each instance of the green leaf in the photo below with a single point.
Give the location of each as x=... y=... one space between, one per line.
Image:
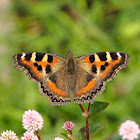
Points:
x=109 y=137
x=93 y=128
x=113 y=136
x=97 y=107
x=65 y=135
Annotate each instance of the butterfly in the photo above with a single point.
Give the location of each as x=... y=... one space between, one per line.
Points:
x=85 y=76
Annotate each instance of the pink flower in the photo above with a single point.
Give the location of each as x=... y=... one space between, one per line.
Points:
x=8 y=135
x=32 y=120
x=57 y=138
x=129 y=130
x=29 y=136
x=68 y=125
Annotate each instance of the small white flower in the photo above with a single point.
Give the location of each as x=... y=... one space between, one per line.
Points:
x=129 y=130
x=57 y=138
x=29 y=136
x=68 y=125
x=8 y=135
x=32 y=120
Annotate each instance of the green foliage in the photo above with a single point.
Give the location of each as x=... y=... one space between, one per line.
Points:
x=93 y=128
x=97 y=107
x=113 y=136
x=110 y=137
x=65 y=135
x=110 y=25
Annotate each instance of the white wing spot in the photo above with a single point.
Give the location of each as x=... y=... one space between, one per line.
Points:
x=119 y=54
x=45 y=58
x=97 y=59
x=23 y=55
x=98 y=71
x=108 y=57
x=33 y=57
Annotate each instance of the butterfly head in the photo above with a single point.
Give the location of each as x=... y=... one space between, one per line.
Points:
x=70 y=55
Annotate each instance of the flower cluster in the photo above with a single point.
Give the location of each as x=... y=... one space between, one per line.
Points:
x=8 y=135
x=129 y=130
x=29 y=136
x=32 y=120
x=68 y=125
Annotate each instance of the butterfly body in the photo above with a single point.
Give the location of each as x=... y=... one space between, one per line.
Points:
x=85 y=76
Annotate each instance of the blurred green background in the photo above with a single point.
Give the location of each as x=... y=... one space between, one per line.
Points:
x=25 y=26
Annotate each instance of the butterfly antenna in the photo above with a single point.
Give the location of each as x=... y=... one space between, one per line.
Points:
x=81 y=43
x=56 y=41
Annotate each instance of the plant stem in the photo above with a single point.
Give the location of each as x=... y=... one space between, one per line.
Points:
x=70 y=132
x=37 y=133
x=87 y=121
x=87 y=124
x=88 y=107
x=82 y=108
x=87 y=129
x=70 y=137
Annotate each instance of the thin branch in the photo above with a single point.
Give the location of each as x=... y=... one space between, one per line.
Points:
x=70 y=137
x=82 y=108
x=87 y=121
x=88 y=107
x=70 y=132
x=37 y=133
x=87 y=129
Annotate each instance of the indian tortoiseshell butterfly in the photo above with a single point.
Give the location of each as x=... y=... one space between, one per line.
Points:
x=85 y=76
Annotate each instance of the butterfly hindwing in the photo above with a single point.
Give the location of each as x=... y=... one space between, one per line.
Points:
x=87 y=87
x=56 y=88
x=97 y=69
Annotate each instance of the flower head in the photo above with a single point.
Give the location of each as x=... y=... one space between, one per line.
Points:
x=68 y=125
x=29 y=136
x=8 y=135
x=129 y=130
x=57 y=138
x=32 y=120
